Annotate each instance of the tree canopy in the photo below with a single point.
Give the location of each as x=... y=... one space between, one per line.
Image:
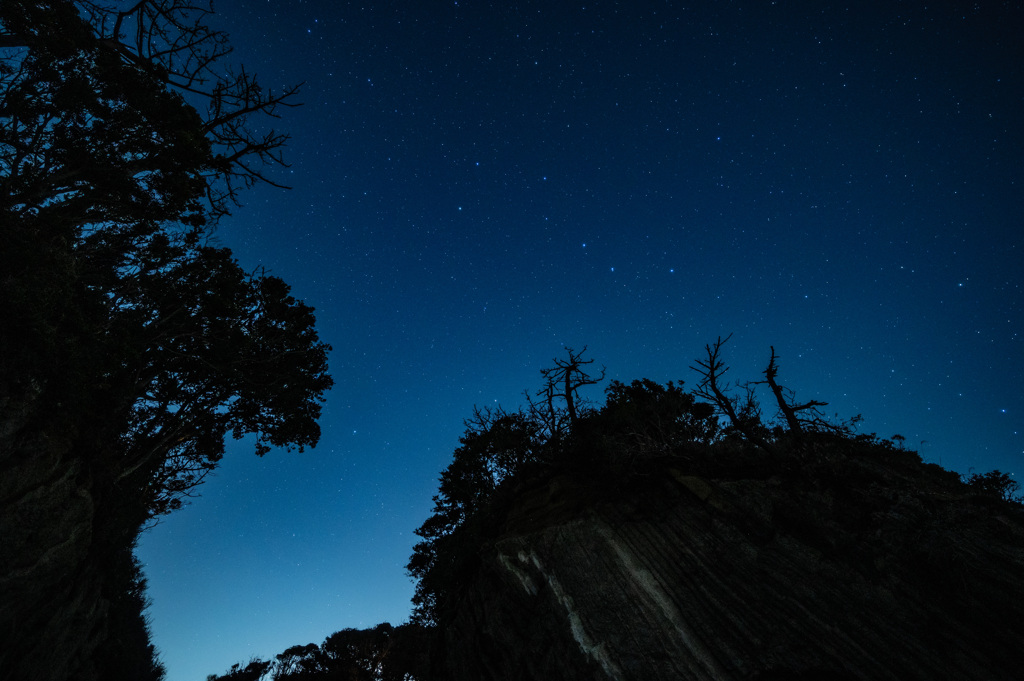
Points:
x=132 y=343
x=123 y=139
x=125 y=114
x=383 y=653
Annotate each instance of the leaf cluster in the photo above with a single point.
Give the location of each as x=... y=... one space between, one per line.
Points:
x=996 y=484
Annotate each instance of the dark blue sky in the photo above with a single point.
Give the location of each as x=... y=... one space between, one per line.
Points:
x=478 y=184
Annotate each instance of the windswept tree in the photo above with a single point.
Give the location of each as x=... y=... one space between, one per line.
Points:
x=800 y=418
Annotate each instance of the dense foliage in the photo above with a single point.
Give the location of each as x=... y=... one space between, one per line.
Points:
x=383 y=653
x=995 y=484
x=114 y=298
x=132 y=343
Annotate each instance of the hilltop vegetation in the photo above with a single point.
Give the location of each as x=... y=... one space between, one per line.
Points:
x=856 y=499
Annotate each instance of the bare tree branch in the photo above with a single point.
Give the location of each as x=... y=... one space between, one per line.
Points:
x=743 y=417
x=563 y=381
x=170 y=43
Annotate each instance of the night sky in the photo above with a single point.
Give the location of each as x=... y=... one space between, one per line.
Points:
x=479 y=184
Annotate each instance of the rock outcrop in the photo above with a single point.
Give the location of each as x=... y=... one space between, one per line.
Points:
x=51 y=612
x=825 y=566
x=71 y=594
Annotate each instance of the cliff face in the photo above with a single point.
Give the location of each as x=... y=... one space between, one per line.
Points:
x=70 y=594
x=834 y=569
x=51 y=611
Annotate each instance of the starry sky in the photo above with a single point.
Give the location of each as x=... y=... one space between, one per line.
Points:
x=479 y=184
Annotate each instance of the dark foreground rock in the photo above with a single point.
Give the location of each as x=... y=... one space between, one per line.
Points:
x=51 y=605
x=71 y=591
x=829 y=566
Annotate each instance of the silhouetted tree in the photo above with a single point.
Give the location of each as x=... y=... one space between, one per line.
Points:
x=108 y=176
x=558 y=405
x=790 y=411
x=100 y=118
x=495 y=446
x=743 y=413
x=217 y=351
x=255 y=670
x=127 y=333
x=793 y=420
x=383 y=653
x=801 y=419
x=653 y=418
x=996 y=484
x=299 y=662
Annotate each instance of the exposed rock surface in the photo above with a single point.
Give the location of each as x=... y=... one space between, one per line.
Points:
x=835 y=567
x=51 y=605
x=66 y=607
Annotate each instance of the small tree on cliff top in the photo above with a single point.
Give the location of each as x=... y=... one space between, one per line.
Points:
x=558 y=406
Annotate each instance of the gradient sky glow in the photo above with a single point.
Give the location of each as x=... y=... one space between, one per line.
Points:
x=478 y=184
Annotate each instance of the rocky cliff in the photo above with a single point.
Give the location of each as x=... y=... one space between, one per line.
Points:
x=71 y=592
x=52 y=612
x=823 y=565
